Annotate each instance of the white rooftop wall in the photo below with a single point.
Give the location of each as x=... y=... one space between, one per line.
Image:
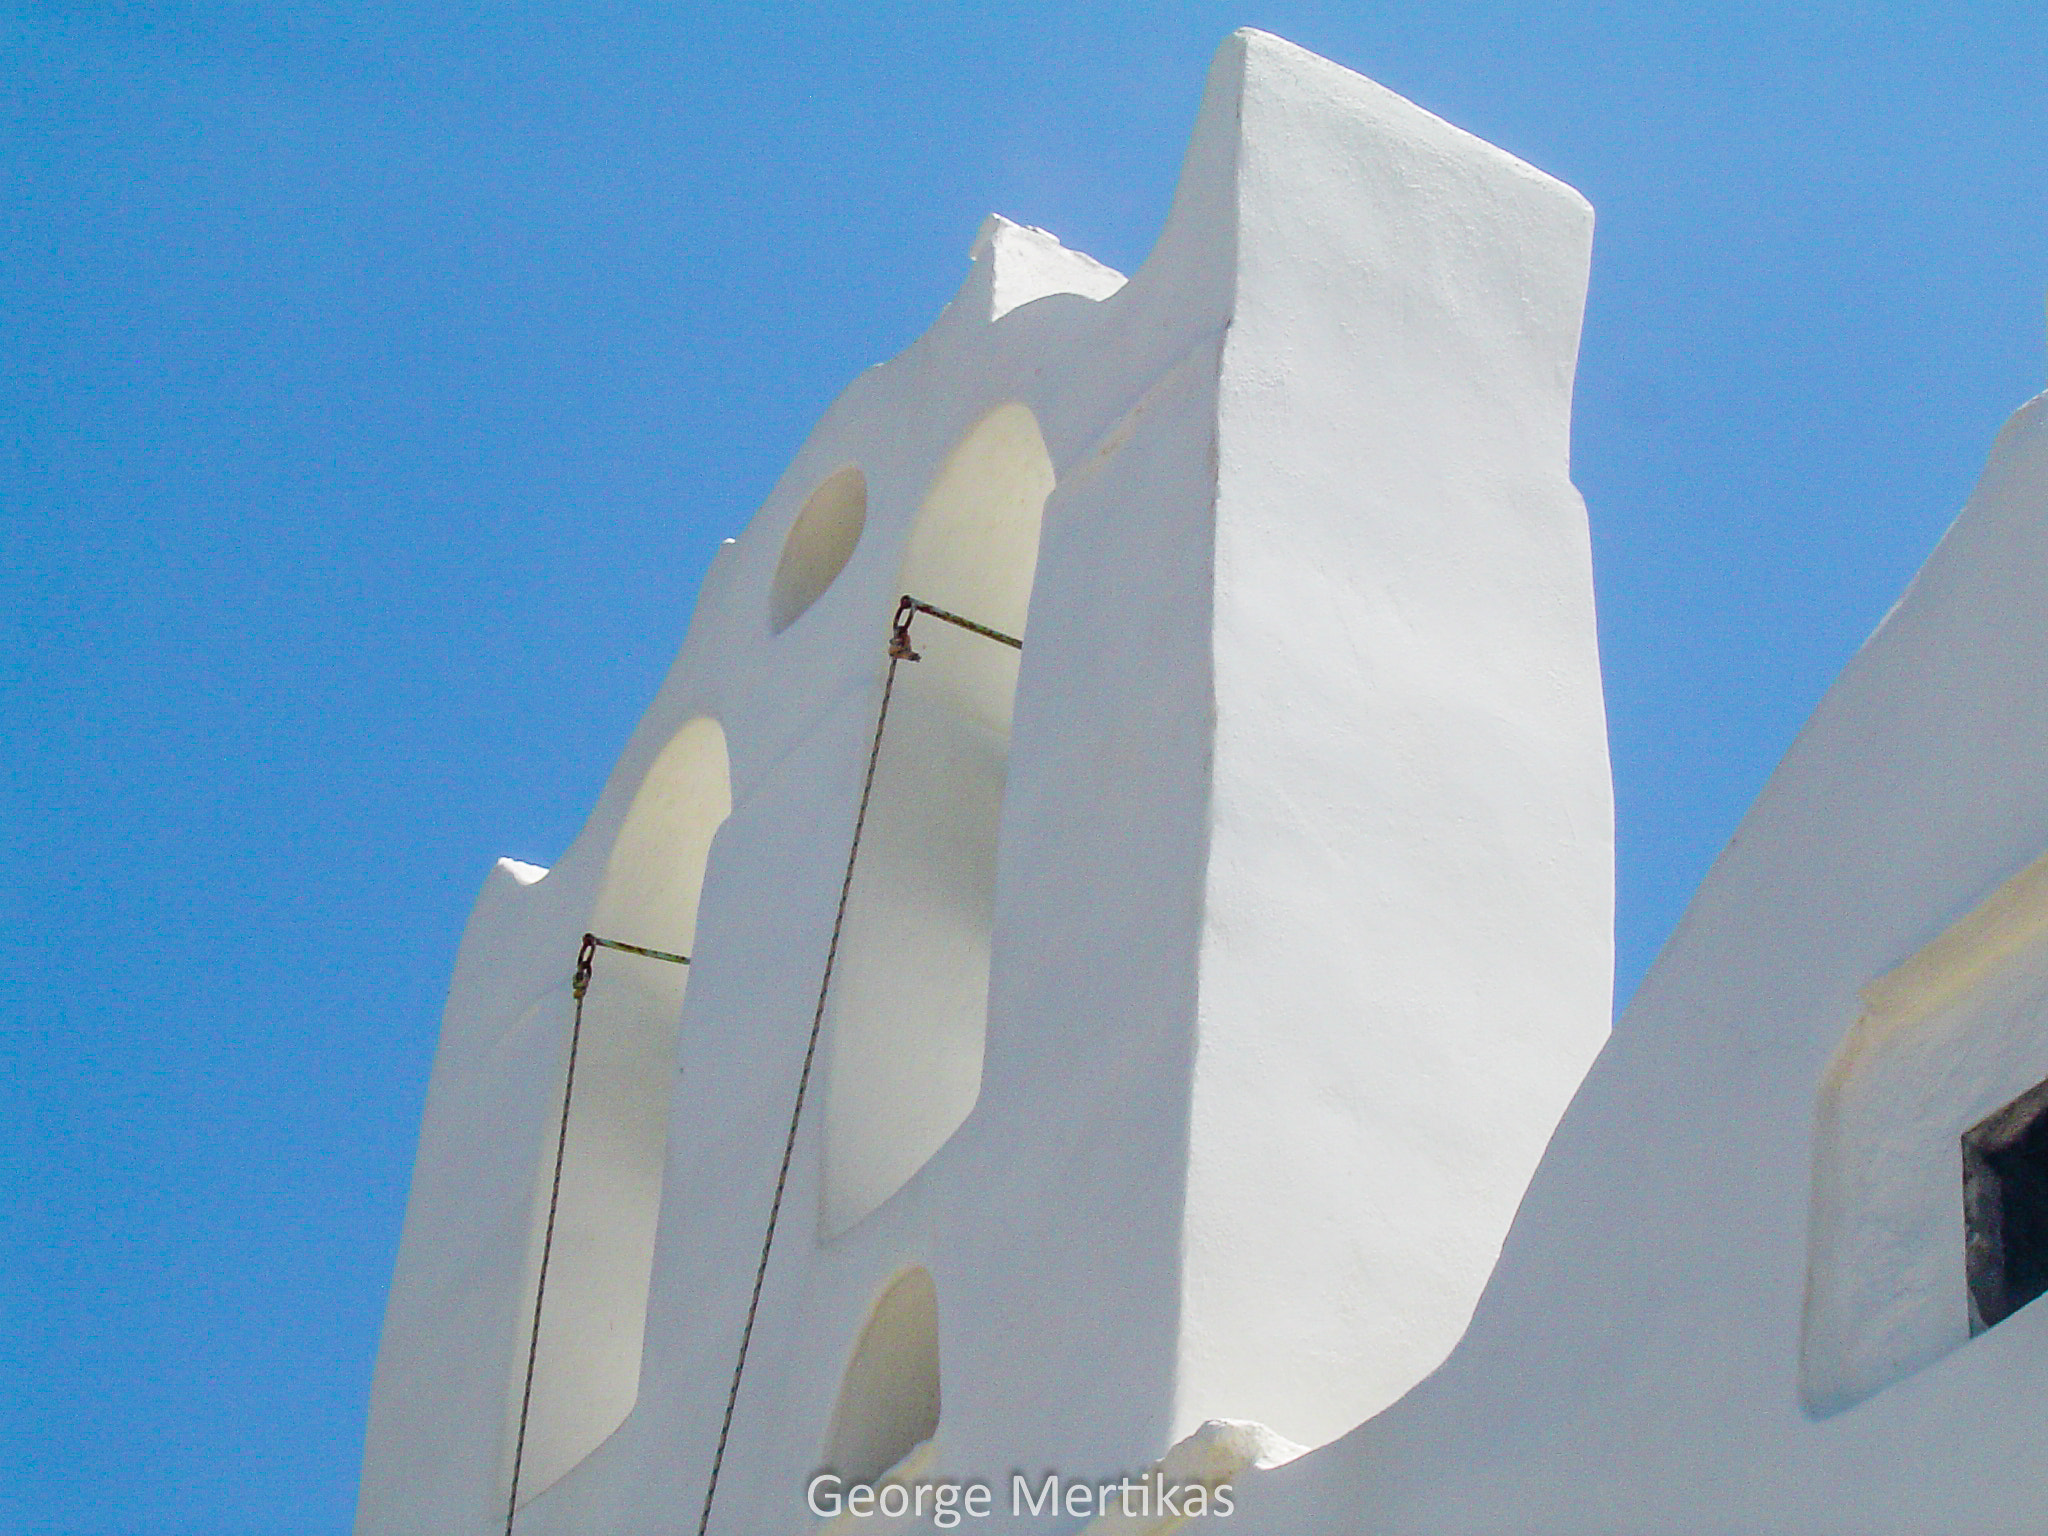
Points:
x=1734 y=1298
x=1295 y=921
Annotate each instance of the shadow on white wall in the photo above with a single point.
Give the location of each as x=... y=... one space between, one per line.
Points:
x=910 y=999
x=889 y=1400
x=587 y=1370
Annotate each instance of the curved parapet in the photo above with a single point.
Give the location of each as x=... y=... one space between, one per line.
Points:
x=1230 y=920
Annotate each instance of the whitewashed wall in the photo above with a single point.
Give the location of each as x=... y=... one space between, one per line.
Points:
x=1734 y=1299
x=1206 y=1002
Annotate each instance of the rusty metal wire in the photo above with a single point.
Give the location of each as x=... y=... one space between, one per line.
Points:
x=579 y=985
x=635 y=949
x=908 y=608
x=899 y=651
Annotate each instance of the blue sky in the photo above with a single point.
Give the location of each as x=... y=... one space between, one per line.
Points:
x=378 y=381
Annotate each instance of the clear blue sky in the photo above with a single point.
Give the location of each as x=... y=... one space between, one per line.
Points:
x=378 y=381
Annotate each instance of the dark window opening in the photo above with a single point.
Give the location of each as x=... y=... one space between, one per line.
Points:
x=2005 y=1208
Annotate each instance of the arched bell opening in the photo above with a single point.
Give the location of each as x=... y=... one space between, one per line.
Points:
x=586 y=1373
x=910 y=999
x=889 y=1398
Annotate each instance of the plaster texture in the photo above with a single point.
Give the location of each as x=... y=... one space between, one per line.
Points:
x=1734 y=1299
x=1215 y=970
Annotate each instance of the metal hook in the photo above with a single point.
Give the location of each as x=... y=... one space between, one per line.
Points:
x=899 y=639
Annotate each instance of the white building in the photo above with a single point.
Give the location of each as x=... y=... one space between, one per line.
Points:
x=1215 y=969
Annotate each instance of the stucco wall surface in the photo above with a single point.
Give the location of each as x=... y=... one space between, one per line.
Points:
x=1224 y=960
x=1734 y=1300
